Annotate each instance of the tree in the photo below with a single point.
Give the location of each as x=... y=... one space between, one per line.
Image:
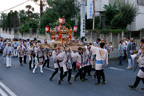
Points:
x=126 y=15
x=30 y=10
x=63 y=8
x=28 y=19
x=3 y=16
x=110 y=11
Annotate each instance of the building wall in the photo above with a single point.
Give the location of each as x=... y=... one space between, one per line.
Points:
x=99 y=4
x=138 y=23
x=140 y=18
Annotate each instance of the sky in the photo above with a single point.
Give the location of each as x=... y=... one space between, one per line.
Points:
x=6 y=4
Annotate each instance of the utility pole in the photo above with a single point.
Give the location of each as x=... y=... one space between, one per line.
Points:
x=41 y=7
x=93 y=14
x=82 y=31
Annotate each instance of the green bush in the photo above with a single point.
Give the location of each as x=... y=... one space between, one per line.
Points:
x=126 y=15
x=107 y=31
x=24 y=28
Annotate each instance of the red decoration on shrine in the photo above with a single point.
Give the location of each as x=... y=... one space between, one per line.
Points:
x=60 y=36
x=70 y=37
x=52 y=37
x=75 y=28
x=47 y=29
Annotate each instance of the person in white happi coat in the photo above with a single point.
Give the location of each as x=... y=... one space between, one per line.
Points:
x=90 y=62
x=67 y=64
x=25 y=51
x=79 y=63
x=8 y=52
x=39 y=55
x=85 y=60
x=31 y=59
x=15 y=45
x=74 y=64
x=57 y=62
x=20 y=50
x=140 y=75
x=101 y=61
x=46 y=55
x=131 y=49
x=28 y=43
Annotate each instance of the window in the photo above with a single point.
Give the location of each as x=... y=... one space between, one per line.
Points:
x=140 y=2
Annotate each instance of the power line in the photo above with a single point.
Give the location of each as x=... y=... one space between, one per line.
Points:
x=14 y=6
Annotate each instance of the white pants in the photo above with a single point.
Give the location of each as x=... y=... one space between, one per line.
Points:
x=130 y=63
x=8 y=61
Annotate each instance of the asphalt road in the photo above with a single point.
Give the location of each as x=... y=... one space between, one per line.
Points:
x=21 y=81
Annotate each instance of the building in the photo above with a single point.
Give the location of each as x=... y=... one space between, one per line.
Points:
x=136 y=25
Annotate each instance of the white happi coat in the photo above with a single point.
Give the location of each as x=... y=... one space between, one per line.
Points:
x=66 y=61
x=25 y=49
x=96 y=50
x=85 y=57
x=36 y=50
x=89 y=58
x=141 y=64
x=78 y=58
x=46 y=53
x=40 y=54
x=30 y=51
x=8 y=51
x=20 y=51
x=55 y=58
x=15 y=45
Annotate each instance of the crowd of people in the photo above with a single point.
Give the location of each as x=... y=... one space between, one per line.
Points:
x=68 y=60
x=126 y=48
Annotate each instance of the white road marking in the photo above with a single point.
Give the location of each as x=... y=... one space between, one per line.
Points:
x=2 y=92
x=7 y=89
x=116 y=69
x=54 y=70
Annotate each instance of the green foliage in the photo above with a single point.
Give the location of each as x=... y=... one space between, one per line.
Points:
x=107 y=31
x=28 y=19
x=120 y=14
x=142 y=29
x=10 y=20
x=127 y=13
x=63 y=8
x=48 y=19
x=24 y=28
x=110 y=11
x=3 y=16
x=89 y=22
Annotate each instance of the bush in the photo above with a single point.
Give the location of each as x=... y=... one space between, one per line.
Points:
x=24 y=28
x=107 y=31
x=127 y=13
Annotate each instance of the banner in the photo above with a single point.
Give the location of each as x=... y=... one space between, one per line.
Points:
x=89 y=9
